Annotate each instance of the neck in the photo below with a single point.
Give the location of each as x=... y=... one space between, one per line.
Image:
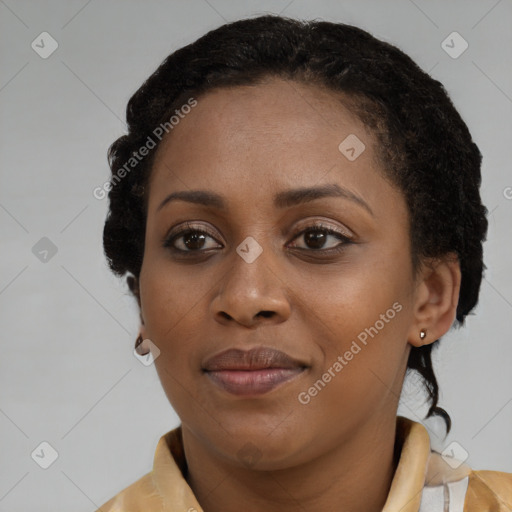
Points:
x=355 y=476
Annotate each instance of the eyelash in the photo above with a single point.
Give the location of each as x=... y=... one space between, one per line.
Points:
x=344 y=239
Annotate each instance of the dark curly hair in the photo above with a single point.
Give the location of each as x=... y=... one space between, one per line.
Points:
x=425 y=147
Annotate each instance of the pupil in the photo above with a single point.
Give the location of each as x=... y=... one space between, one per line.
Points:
x=194 y=238
x=316 y=237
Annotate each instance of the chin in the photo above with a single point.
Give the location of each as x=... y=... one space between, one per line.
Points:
x=258 y=447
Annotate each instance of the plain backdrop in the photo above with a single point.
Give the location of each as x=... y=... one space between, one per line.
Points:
x=68 y=374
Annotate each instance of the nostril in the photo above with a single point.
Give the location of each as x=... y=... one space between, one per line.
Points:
x=266 y=314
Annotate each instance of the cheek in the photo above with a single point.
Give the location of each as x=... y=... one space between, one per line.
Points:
x=355 y=298
x=170 y=311
x=364 y=323
x=169 y=295
x=170 y=308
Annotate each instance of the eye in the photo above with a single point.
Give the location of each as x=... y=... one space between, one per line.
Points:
x=190 y=239
x=316 y=237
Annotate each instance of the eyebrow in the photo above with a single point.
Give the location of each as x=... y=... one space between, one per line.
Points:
x=284 y=199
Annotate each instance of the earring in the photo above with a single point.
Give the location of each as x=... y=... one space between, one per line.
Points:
x=423 y=334
x=138 y=348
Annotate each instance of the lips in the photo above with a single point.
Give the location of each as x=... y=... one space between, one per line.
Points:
x=257 y=358
x=252 y=372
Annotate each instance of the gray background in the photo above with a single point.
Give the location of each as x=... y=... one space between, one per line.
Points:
x=68 y=373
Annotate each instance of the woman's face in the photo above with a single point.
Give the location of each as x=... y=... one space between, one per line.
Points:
x=257 y=268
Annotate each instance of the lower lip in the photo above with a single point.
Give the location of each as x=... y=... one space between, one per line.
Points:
x=252 y=382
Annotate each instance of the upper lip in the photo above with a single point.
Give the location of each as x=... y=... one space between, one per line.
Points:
x=257 y=358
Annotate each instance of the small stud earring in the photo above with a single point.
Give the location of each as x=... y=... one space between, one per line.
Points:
x=423 y=334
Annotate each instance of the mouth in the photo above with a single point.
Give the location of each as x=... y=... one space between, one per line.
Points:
x=252 y=372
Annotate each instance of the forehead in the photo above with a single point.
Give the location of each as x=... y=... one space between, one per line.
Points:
x=275 y=134
x=273 y=107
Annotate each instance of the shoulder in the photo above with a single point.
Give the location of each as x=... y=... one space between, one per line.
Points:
x=140 y=496
x=164 y=488
x=465 y=490
x=489 y=491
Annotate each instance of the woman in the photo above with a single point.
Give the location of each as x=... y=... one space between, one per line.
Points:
x=297 y=206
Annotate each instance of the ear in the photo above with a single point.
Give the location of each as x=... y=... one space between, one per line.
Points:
x=133 y=284
x=436 y=299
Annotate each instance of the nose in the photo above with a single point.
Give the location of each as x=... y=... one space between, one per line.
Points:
x=251 y=294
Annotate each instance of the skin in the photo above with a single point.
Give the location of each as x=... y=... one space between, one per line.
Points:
x=247 y=144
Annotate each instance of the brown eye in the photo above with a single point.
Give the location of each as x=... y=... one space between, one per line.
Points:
x=316 y=237
x=191 y=240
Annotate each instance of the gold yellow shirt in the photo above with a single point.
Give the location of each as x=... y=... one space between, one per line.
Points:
x=424 y=481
